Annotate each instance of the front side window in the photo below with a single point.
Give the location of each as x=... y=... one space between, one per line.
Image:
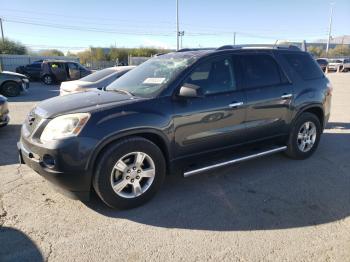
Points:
x=260 y=71
x=152 y=76
x=214 y=76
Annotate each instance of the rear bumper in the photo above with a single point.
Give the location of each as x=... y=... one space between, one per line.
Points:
x=75 y=183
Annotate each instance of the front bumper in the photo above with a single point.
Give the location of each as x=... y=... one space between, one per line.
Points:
x=71 y=178
x=25 y=84
x=4 y=120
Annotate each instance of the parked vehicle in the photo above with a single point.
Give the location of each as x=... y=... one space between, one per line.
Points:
x=96 y=80
x=190 y=111
x=4 y=111
x=32 y=71
x=323 y=63
x=339 y=65
x=12 y=84
x=59 y=71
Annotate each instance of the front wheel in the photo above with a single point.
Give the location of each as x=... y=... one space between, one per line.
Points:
x=11 y=89
x=129 y=173
x=304 y=137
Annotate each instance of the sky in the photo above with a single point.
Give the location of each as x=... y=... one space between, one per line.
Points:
x=76 y=24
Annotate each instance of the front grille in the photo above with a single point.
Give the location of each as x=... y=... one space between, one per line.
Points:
x=32 y=121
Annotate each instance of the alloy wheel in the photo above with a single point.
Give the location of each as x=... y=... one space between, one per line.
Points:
x=133 y=174
x=306 y=136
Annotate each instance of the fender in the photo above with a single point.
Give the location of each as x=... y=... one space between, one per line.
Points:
x=303 y=108
x=126 y=133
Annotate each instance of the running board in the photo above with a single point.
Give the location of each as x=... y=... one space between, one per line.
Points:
x=234 y=161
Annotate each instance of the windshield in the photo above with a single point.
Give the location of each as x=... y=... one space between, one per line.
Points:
x=98 y=75
x=335 y=61
x=151 y=77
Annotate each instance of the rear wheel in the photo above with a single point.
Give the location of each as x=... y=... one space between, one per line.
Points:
x=11 y=89
x=129 y=173
x=47 y=79
x=304 y=137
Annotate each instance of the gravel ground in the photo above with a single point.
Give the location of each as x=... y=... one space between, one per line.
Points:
x=267 y=209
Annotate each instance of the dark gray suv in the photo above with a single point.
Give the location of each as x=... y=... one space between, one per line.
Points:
x=190 y=112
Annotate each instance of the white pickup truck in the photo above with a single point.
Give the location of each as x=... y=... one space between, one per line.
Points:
x=339 y=65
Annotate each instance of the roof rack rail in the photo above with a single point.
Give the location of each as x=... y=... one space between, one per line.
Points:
x=194 y=49
x=259 y=46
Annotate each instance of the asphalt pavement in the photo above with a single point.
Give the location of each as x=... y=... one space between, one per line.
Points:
x=268 y=209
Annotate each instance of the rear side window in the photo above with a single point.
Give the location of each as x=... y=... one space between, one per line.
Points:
x=260 y=70
x=304 y=65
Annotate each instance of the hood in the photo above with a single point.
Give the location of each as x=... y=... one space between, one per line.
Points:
x=2 y=99
x=82 y=102
x=13 y=74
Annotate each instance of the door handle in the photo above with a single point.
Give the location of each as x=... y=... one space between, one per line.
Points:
x=286 y=96
x=236 y=104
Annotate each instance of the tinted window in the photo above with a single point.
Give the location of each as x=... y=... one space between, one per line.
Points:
x=214 y=76
x=36 y=65
x=304 y=65
x=98 y=75
x=56 y=65
x=322 y=61
x=73 y=66
x=260 y=70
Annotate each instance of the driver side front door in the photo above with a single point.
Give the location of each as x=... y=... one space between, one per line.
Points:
x=215 y=120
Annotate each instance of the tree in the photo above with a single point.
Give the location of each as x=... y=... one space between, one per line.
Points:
x=315 y=50
x=69 y=53
x=120 y=54
x=51 y=52
x=339 y=51
x=85 y=56
x=98 y=54
x=12 y=48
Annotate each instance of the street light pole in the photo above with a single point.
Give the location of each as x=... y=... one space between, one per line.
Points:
x=177 y=25
x=2 y=31
x=330 y=30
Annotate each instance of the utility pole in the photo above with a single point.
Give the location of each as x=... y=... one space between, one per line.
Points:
x=181 y=34
x=2 y=31
x=330 y=30
x=234 y=38
x=177 y=25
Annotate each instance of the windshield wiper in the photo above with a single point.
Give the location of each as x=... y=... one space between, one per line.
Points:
x=123 y=92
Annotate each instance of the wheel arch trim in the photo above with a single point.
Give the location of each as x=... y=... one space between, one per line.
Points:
x=317 y=106
x=142 y=132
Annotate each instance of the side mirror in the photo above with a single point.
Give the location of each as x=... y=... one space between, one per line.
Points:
x=190 y=90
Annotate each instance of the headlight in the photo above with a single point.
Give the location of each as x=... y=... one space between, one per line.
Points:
x=25 y=80
x=64 y=126
x=4 y=108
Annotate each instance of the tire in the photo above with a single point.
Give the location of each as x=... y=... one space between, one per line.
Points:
x=296 y=137
x=108 y=173
x=11 y=89
x=47 y=79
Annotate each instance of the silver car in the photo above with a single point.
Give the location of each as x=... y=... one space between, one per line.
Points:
x=96 y=80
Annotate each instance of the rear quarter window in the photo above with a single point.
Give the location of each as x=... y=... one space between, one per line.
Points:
x=304 y=65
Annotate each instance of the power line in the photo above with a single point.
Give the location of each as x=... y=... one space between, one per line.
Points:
x=81 y=28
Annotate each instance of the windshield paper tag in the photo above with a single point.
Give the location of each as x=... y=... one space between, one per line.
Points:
x=154 y=80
